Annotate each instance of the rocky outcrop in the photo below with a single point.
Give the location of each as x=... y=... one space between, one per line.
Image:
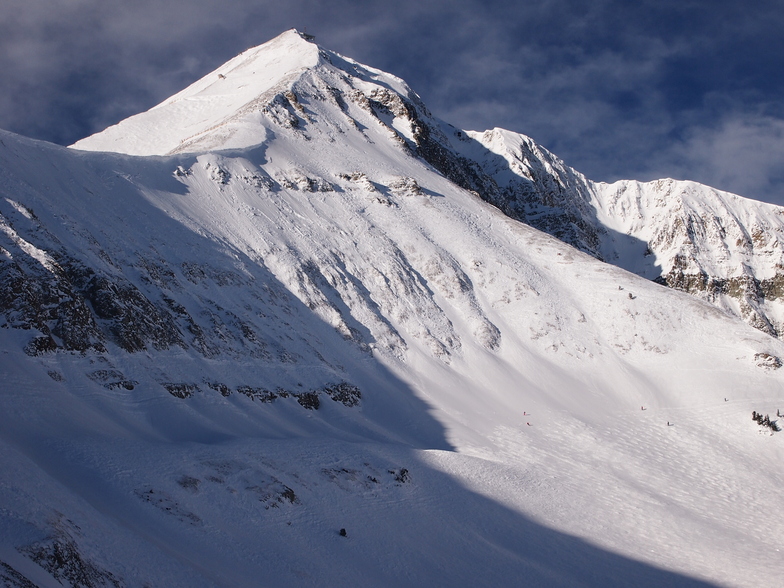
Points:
x=748 y=291
x=342 y=392
x=73 y=308
x=61 y=556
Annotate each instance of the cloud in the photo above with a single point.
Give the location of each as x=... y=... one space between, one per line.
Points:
x=743 y=154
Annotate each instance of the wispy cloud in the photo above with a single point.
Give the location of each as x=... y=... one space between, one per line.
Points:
x=743 y=154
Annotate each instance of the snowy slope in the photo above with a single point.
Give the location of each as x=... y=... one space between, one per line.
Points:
x=214 y=361
x=211 y=105
x=720 y=247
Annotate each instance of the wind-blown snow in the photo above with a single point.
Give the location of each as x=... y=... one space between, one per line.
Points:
x=203 y=106
x=500 y=437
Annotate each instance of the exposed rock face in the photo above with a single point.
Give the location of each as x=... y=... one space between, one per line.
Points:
x=60 y=555
x=13 y=578
x=73 y=308
x=535 y=187
x=342 y=392
x=768 y=361
x=747 y=291
x=36 y=295
x=129 y=318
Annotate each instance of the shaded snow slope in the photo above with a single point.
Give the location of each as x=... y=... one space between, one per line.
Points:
x=211 y=362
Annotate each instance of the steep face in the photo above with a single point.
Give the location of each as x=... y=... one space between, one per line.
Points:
x=723 y=248
x=718 y=246
x=535 y=187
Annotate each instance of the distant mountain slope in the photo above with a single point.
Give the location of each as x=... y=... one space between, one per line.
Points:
x=720 y=247
x=212 y=360
x=723 y=248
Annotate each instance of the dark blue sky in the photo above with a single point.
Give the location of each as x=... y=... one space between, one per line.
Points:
x=691 y=89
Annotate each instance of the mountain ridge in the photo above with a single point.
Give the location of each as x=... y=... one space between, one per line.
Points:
x=684 y=246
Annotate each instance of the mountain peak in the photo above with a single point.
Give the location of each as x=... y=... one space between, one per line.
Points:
x=207 y=104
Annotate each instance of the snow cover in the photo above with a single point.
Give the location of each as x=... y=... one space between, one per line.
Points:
x=723 y=248
x=203 y=106
x=529 y=415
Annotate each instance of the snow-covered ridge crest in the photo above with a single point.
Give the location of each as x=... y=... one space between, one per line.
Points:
x=206 y=104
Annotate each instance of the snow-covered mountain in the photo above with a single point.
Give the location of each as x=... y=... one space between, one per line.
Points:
x=275 y=307
x=723 y=248
x=720 y=247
